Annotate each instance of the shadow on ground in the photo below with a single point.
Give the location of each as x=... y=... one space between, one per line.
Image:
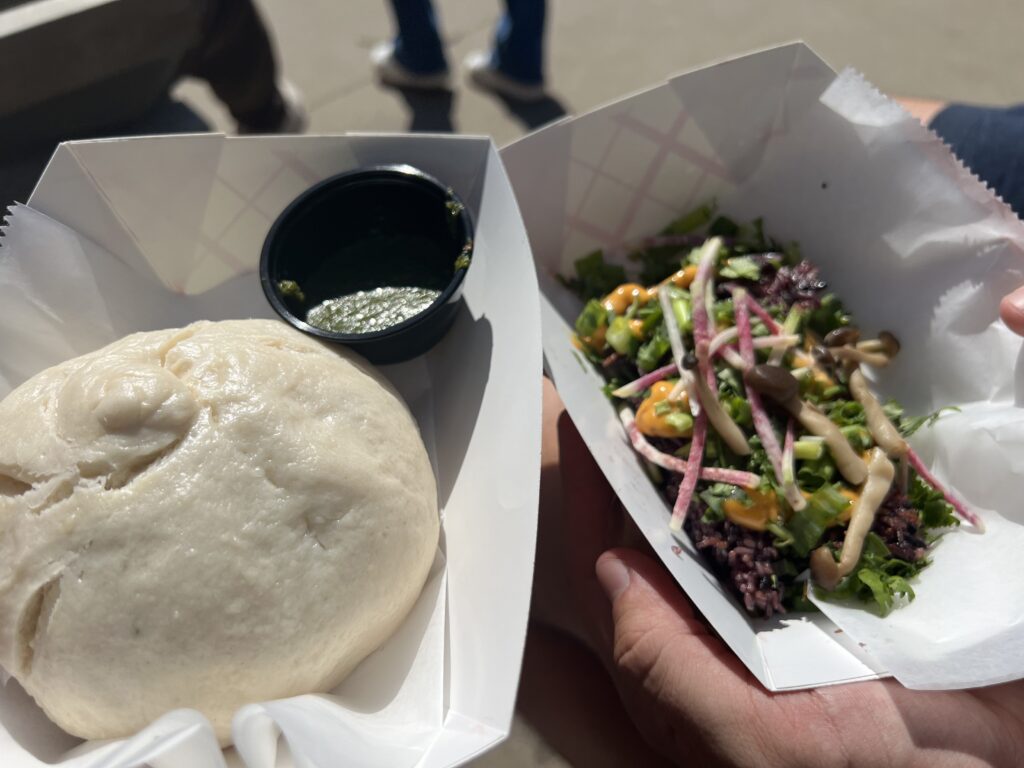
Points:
x=534 y=114
x=430 y=111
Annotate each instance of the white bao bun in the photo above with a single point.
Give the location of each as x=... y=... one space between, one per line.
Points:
x=205 y=517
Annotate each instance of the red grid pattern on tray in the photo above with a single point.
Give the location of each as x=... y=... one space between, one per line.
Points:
x=667 y=143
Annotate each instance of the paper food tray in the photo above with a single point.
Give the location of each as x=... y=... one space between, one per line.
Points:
x=906 y=237
x=147 y=233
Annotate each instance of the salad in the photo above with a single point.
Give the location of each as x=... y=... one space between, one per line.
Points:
x=739 y=379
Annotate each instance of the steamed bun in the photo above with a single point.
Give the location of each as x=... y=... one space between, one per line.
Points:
x=205 y=517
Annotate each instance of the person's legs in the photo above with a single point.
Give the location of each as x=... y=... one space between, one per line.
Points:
x=514 y=68
x=236 y=57
x=519 y=41
x=418 y=45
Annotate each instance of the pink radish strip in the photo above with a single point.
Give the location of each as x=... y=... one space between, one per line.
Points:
x=701 y=317
x=733 y=358
x=689 y=483
x=709 y=254
x=639 y=385
x=928 y=477
x=760 y=342
x=762 y=422
x=730 y=476
x=789 y=487
x=762 y=313
x=721 y=339
x=787 y=449
x=675 y=464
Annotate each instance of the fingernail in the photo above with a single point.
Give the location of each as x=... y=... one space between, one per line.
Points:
x=613 y=576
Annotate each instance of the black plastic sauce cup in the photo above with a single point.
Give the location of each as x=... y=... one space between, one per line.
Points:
x=369 y=228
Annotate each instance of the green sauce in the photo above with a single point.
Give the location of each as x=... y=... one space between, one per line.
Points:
x=368 y=311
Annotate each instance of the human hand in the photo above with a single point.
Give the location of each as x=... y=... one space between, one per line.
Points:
x=691 y=698
x=1011 y=309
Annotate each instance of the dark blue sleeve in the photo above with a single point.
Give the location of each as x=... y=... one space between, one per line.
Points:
x=989 y=141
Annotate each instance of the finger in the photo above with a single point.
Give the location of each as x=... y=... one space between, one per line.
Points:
x=1011 y=309
x=664 y=661
x=649 y=608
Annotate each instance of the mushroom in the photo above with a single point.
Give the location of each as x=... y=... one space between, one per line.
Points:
x=858 y=355
x=826 y=571
x=774 y=381
x=780 y=385
x=874 y=352
x=840 y=337
x=886 y=343
x=821 y=355
x=882 y=430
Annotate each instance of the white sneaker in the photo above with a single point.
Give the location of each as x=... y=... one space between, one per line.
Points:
x=483 y=75
x=391 y=72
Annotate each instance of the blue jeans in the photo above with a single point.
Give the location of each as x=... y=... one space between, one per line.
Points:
x=518 y=40
x=989 y=141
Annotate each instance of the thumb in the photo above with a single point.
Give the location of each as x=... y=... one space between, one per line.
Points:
x=1011 y=309
x=663 y=659
x=649 y=613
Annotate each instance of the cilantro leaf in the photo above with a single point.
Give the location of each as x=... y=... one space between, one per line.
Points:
x=909 y=426
x=691 y=221
x=595 y=277
x=593 y=316
x=651 y=354
x=935 y=511
x=741 y=268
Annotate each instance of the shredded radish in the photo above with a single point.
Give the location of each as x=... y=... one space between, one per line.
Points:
x=689 y=482
x=701 y=333
x=733 y=358
x=721 y=339
x=639 y=385
x=777 y=343
x=928 y=477
x=789 y=486
x=763 y=314
x=762 y=422
x=675 y=338
x=701 y=317
x=790 y=325
x=675 y=464
x=677 y=391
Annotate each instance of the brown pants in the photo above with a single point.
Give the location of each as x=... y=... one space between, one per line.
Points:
x=236 y=57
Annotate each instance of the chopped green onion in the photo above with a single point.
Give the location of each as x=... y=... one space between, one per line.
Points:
x=858 y=436
x=809 y=448
x=683 y=311
x=620 y=337
x=679 y=421
x=593 y=316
